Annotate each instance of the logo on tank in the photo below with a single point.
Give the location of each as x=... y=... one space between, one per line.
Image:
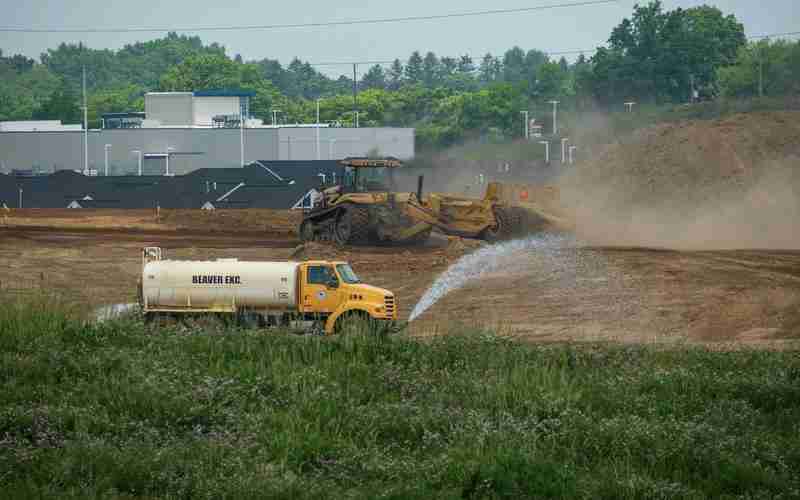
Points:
x=216 y=280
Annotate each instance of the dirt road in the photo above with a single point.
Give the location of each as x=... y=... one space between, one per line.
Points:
x=561 y=292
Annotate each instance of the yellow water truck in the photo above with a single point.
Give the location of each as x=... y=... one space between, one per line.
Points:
x=316 y=295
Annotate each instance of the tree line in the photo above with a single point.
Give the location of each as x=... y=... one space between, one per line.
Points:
x=654 y=56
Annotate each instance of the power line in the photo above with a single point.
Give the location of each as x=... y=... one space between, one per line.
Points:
x=351 y=22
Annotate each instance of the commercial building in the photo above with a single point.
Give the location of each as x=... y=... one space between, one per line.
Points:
x=181 y=132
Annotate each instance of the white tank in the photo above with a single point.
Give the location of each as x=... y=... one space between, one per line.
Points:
x=219 y=285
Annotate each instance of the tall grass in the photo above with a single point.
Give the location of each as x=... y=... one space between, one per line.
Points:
x=121 y=410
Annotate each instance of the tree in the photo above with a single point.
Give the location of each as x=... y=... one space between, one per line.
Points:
x=659 y=55
x=375 y=78
x=430 y=69
x=448 y=66
x=514 y=70
x=488 y=71
x=550 y=80
x=61 y=105
x=769 y=67
x=465 y=65
x=202 y=72
x=414 y=68
x=395 y=75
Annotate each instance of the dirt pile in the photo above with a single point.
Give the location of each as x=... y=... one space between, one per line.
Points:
x=728 y=183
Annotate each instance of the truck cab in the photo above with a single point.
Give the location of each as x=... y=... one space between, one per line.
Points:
x=332 y=291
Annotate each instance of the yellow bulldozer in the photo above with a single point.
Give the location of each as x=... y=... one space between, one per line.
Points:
x=365 y=209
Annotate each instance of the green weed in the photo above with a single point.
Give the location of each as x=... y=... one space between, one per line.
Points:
x=124 y=410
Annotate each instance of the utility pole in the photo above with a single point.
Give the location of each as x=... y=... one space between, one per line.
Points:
x=318 y=129
x=241 y=139
x=527 y=127
x=355 y=94
x=169 y=151
x=555 y=116
x=761 y=71
x=85 y=128
x=546 y=151
x=331 y=145
x=140 y=160
x=106 y=148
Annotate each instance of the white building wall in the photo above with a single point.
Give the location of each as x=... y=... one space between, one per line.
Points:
x=206 y=108
x=191 y=149
x=170 y=109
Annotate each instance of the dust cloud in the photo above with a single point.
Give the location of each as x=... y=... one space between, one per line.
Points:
x=765 y=215
x=727 y=183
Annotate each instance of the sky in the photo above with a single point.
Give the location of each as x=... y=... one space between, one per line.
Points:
x=562 y=29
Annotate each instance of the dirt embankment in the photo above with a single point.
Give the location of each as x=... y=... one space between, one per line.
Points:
x=728 y=183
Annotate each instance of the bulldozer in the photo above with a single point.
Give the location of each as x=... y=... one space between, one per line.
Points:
x=365 y=209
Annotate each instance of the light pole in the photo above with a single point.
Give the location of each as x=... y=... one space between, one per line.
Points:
x=629 y=106
x=555 y=116
x=331 y=145
x=564 y=142
x=140 y=160
x=241 y=138
x=318 y=129
x=85 y=128
x=106 y=148
x=546 y=151
x=527 y=128
x=169 y=150
x=571 y=151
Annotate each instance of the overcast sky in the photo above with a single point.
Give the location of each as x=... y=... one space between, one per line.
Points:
x=550 y=30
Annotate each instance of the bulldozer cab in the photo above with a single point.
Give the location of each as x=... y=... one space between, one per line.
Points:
x=369 y=175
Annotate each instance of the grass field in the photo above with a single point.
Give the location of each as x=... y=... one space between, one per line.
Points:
x=121 y=410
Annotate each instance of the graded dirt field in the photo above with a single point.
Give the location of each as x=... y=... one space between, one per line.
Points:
x=709 y=188
x=556 y=290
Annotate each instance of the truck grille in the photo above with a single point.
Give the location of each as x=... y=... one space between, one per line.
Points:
x=389 y=303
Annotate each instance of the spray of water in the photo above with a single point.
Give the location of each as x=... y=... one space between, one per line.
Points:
x=485 y=260
x=113 y=311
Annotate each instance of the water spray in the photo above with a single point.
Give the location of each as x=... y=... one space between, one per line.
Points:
x=113 y=311
x=472 y=266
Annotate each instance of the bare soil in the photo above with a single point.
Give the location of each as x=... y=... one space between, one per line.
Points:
x=704 y=189
x=572 y=293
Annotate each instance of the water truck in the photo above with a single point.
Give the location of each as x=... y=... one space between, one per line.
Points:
x=320 y=296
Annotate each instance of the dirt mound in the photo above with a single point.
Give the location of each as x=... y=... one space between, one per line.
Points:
x=728 y=183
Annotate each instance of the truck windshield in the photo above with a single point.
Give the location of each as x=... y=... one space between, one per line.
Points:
x=347 y=274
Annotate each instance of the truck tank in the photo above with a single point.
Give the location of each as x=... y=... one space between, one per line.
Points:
x=223 y=284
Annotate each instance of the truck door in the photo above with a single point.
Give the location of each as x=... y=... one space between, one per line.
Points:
x=320 y=290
